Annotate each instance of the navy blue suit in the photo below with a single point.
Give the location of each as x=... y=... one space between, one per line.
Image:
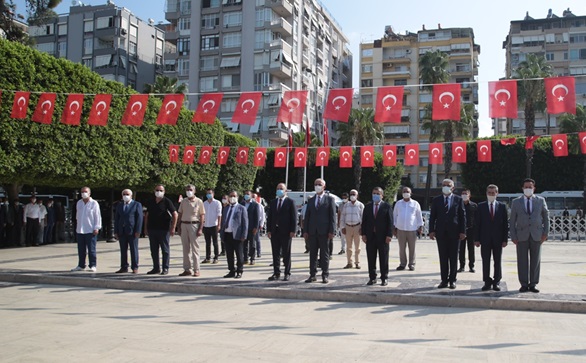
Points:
x=318 y=223
x=127 y=225
x=281 y=222
x=491 y=232
x=238 y=219
x=376 y=230
x=253 y=223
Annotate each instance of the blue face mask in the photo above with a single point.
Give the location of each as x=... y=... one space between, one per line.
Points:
x=246 y=197
x=376 y=198
x=280 y=193
x=209 y=196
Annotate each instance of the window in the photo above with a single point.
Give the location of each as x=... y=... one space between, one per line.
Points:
x=46 y=47
x=423 y=161
x=210 y=4
x=159 y=45
x=400 y=82
x=184 y=24
x=104 y=44
x=124 y=24
x=62 y=29
x=210 y=42
x=170 y=65
x=366 y=99
x=38 y=31
x=366 y=83
x=88 y=26
x=228 y=62
x=210 y=21
x=232 y=40
x=578 y=38
x=367 y=53
x=577 y=54
x=233 y=19
x=185 y=7
x=183 y=46
x=367 y=68
x=231 y=81
x=262 y=16
x=88 y=62
x=133 y=31
x=229 y=104
x=422 y=178
x=62 y=49
x=132 y=48
x=105 y=22
x=549 y=56
x=103 y=61
x=123 y=62
x=208 y=63
x=262 y=79
x=231 y=2
x=183 y=67
x=425 y=98
x=208 y=84
x=88 y=46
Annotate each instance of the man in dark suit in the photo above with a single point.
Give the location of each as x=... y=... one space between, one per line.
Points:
x=491 y=230
x=127 y=228
x=319 y=225
x=281 y=226
x=233 y=232
x=447 y=223
x=377 y=231
x=253 y=225
x=470 y=208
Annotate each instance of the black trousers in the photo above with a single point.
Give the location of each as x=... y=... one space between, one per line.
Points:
x=496 y=250
x=321 y=243
x=382 y=249
x=211 y=235
x=234 y=246
x=250 y=246
x=32 y=230
x=469 y=242
x=159 y=238
x=448 y=255
x=281 y=243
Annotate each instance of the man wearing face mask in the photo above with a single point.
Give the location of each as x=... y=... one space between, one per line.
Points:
x=491 y=230
x=249 y=248
x=213 y=209
x=234 y=232
x=127 y=227
x=281 y=226
x=447 y=223
x=192 y=218
x=350 y=222
x=160 y=221
x=408 y=222
x=224 y=205
x=529 y=225
x=89 y=223
x=31 y=218
x=319 y=227
x=470 y=208
x=342 y=235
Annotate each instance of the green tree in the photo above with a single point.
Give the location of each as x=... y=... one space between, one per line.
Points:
x=165 y=85
x=8 y=25
x=573 y=124
x=39 y=11
x=532 y=95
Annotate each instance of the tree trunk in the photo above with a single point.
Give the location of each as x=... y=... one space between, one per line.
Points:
x=12 y=191
x=357 y=170
x=529 y=131
x=448 y=138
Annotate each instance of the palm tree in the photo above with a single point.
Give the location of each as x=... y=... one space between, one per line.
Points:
x=299 y=141
x=532 y=94
x=572 y=124
x=359 y=130
x=165 y=85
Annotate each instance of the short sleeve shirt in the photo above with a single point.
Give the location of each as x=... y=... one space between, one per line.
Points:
x=160 y=214
x=191 y=210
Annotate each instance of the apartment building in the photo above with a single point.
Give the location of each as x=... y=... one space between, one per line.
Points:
x=108 y=39
x=562 y=41
x=234 y=46
x=393 y=60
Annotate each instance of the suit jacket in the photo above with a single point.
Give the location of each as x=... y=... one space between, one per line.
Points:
x=453 y=222
x=128 y=221
x=322 y=220
x=240 y=222
x=253 y=216
x=470 y=208
x=524 y=225
x=383 y=223
x=285 y=218
x=489 y=231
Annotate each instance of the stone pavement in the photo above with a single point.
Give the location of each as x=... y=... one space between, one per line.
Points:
x=563 y=276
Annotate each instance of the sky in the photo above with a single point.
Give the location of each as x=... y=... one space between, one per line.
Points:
x=365 y=20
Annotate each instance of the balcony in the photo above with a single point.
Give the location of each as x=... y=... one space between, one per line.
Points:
x=280 y=69
x=397 y=73
x=171 y=36
x=281 y=7
x=282 y=26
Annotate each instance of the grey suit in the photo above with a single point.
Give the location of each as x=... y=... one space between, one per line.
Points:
x=527 y=229
x=318 y=223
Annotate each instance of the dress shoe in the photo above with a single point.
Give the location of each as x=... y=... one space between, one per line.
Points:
x=287 y=278
x=341 y=252
x=230 y=274
x=238 y=275
x=207 y=260
x=486 y=287
x=443 y=285
x=311 y=279
x=371 y=282
x=215 y=261
x=358 y=266
x=325 y=280
x=472 y=270
x=461 y=269
x=196 y=274
x=153 y=272
x=185 y=273
x=122 y=271
x=452 y=285
x=523 y=289
x=384 y=283
x=306 y=251
x=165 y=272
x=348 y=266
x=411 y=268
x=533 y=289
x=223 y=253
x=135 y=271
x=400 y=268
x=274 y=277
x=496 y=287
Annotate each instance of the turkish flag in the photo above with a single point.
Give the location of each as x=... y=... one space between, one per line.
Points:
x=560 y=94
x=173 y=153
x=72 y=110
x=446 y=102
x=559 y=143
x=208 y=108
x=390 y=155
x=412 y=154
x=20 y=105
x=205 y=155
x=529 y=141
x=242 y=155
x=459 y=152
x=169 y=112
x=339 y=104
x=300 y=160
x=326 y=135
x=484 y=150
x=135 y=110
x=260 y=157
x=280 y=157
x=292 y=107
x=322 y=157
x=44 y=112
x=223 y=154
x=436 y=151
x=509 y=141
x=100 y=110
x=389 y=103
x=247 y=108
x=582 y=137
x=346 y=157
x=367 y=156
x=502 y=99
x=188 y=154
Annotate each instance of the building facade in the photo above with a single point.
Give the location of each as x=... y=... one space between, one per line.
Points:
x=562 y=41
x=108 y=39
x=234 y=46
x=394 y=61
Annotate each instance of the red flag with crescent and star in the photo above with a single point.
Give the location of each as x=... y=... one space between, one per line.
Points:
x=436 y=151
x=367 y=156
x=223 y=154
x=389 y=104
x=280 y=157
x=292 y=107
x=560 y=94
x=72 y=111
x=529 y=141
x=508 y=141
x=322 y=157
x=242 y=155
x=326 y=134
x=300 y=157
x=100 y=110
x=346 y=157
x=247 y=108
x=44 y=112
x=173 y=153
x=339 y=104
x=260 y=157
x=188 y=155
x=459 y=152
x=208 y=107
x=20 y=105
x=446 y=102
x=390 y=155
x=169 y=112
x=582 y=137
x=559 y=143
x=502 y=99
x=484 y=150
x=412 y=154
x=205 y=155
x=135 y=110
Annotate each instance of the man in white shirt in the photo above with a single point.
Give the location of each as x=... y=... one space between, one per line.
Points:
x=42 y=222
x=408 y=222
x=89 y=223
x=213 y=212
x=350 y=221
x=342 y=235
x=31 y=217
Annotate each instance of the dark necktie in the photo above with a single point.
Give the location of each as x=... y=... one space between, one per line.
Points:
x=375 y=210
x=318 y=200
x=228 y=217
x=279 y=205
x=447 y=206
x=491 y=210
x=528 y=206
x=126 y=207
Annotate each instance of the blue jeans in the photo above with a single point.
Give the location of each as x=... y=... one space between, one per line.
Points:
x=86 y=244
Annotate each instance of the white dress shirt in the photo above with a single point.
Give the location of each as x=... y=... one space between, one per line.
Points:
x=88 y=216
x=351 y=214
x=31 y=210
x=213 y=210
x=407 y=215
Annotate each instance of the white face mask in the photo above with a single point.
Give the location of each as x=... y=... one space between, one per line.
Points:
x=528 y=192
x=406 y=195
x=446 y=190
x=225 y=201
x=233 y=200
x=126 y=198
x=353 y=198
x=189 y=194
x=319 y=188
x=85 y=195
x=159 y=194
x=490 y=198
x=465 y=197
